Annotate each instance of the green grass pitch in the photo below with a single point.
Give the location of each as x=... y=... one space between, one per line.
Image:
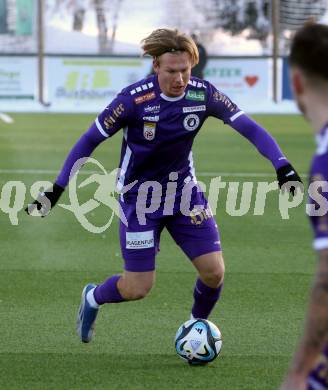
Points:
x=44 y=264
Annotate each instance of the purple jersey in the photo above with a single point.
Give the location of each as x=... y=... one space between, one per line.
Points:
x=159 y=130
x=319 y=199
x=318 y=202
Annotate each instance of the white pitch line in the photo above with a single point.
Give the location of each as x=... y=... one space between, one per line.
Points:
x=6 y=118
x=29 y=171
x=88 y=172
x=241 y=174
x=234 y=174
x=39 y=171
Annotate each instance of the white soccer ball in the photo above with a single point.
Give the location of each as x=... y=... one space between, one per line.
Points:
x=198 y=341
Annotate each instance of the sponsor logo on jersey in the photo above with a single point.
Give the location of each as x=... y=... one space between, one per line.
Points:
x=149 y=131
x=140 y=240
x=198 y=96
x=154 y=118
x=152 y=109
x=145 y=98
x=194 y=109
x=110 y=120
x=221 y=97
x=191 y=122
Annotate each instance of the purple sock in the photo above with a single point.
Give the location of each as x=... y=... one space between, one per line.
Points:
x=107 y=292
x=205 y=299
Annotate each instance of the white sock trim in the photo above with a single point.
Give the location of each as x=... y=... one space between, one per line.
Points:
x=91 y=299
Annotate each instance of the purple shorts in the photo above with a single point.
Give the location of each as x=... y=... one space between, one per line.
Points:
x=196 y=234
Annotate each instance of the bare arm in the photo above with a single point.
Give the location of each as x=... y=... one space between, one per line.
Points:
x=316 y=329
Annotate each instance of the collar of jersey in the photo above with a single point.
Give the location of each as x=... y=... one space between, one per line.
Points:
x=172 y=99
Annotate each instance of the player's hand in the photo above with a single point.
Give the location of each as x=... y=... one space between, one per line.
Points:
x=288 y=179
x=45 y=201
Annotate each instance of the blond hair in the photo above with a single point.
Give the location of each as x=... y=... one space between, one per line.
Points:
x=164 y=40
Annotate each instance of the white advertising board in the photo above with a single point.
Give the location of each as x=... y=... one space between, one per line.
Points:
x=79 y=83
x=18 y=78
x=88 y=84
x=241 y=79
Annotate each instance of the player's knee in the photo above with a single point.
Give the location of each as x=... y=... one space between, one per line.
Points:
x=215 y=277
x=213 y=280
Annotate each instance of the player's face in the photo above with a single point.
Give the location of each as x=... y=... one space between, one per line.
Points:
x=173 y=70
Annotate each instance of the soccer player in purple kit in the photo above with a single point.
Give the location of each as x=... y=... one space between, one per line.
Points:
x=309 y=78
x=161 y=115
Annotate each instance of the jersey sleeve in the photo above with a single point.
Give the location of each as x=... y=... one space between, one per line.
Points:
x=220 y=106
x=81 y=150
x=115 y=116
x=317 y=207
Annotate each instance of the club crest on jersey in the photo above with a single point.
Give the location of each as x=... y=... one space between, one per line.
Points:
x=149 y=131
x=191 y=122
